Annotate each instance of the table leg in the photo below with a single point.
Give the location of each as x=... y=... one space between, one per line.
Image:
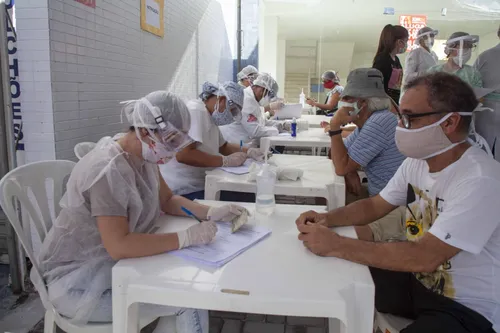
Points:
x=132 y=322
x=119 y=299
x=336 y=326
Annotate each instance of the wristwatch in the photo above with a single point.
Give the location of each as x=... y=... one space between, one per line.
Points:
x=333 y=133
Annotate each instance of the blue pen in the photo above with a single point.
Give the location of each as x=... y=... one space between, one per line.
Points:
x=241 y=145
x=188 y=213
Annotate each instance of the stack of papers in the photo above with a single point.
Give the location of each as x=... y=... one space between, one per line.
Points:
x=225 y=246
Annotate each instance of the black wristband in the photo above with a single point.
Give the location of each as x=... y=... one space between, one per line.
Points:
x=333 y=133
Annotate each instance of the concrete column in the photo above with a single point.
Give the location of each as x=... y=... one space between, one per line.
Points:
x=281 y=66
x=268 y=43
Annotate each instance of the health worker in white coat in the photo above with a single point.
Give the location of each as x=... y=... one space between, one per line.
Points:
x=253 y=124
x=422 y=58
x=217 y=105
x=246 y=77
x=113 y=198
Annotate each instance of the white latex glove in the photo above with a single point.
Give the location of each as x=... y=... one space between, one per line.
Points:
x=257 y=154
x=234 y=160
x=198 y=234
x=287 y=126
x=224 y=213
x=275 y=106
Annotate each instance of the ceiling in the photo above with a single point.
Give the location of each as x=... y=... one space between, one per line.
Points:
x=362 y=20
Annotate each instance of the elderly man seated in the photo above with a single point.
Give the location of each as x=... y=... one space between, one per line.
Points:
x=445 y=276
x=371 y=145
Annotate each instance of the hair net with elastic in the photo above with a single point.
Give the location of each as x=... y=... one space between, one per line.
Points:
x=426 y=31
x=247 y=73
x=266 y=81
x=230 y=90
x=170 y=106
x=106 y=181
x=331 y=75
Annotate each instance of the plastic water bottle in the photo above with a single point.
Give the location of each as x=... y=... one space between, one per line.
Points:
x=265 y=202
x=302 y=98
x=294 y=127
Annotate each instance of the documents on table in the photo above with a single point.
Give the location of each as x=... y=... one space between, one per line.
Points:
x=241 y=170
x=225 y=246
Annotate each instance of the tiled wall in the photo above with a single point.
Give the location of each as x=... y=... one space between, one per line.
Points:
x=100 y=56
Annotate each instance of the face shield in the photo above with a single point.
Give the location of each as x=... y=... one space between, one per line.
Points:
x=427 y=35
x=166 y=139
x=464 y=46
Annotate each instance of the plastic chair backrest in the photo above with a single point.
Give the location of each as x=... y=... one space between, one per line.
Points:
x=27 y=185
x=83 y=148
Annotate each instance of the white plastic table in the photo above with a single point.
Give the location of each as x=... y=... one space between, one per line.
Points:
x=319 y=180
x=315 y=120
x=281 y=276
x=313 y=138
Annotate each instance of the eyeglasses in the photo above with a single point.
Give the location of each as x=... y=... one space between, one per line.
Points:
x=406 y=118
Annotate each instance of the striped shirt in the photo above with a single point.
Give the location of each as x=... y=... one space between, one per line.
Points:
x=373 y=147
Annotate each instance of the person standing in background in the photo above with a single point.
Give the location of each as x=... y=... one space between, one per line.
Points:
x=393 y=41
x=331 y=81
x=488 y=123
x=422 y=58
x=459 y=51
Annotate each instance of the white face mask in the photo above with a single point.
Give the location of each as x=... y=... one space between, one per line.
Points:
x=353 y=105
x=425 y=142
x=265 y=101
x=155 y=152
x=429 y=42
x=461 y=61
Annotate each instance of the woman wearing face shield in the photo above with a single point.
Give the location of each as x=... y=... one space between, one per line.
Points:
x=218 y=105
x=253 y=125
x=459 y=51
x=113 y=199
x=331 y=81
x=422 y=58
x=393 y=41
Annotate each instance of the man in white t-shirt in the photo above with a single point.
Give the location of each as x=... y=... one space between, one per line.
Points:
x=446 y=276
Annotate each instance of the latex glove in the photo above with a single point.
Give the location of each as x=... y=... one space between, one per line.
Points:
x=257 y=154
x=234 y=160
x=198 y=234
x=287 y=126
x=281 y=127
x=225 y=213
x=275 y=106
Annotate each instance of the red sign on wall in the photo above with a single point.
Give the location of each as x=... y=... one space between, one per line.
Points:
x=412 y=23
x=90 y=3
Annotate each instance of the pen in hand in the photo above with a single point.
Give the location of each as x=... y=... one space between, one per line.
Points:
x=188 y=213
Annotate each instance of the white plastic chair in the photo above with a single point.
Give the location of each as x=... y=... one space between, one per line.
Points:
x=83 y=148
x=22 y=184
x=387 y=323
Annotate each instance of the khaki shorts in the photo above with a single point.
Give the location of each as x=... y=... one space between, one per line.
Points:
x=389 y=227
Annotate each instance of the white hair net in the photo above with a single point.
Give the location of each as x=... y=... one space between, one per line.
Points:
x=170 y=106
x=331 y=75
x=231 y=90
x=266 y=81
x=248 y=72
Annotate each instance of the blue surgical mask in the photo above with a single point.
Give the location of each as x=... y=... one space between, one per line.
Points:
x=353 y=105
x=222 y=118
